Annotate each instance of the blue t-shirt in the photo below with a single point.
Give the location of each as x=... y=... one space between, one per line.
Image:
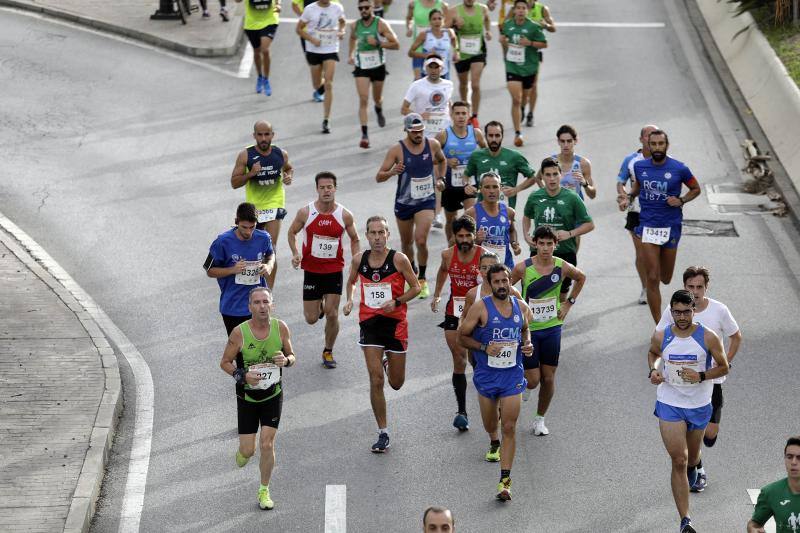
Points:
x=226 y=251
x=657 y=182
x=625 y=168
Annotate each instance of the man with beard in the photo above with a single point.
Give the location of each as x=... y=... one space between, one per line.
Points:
x=382 y=316
x=460 y=264
x=494 y=330
x=263 y=169
x=658 y=183
x=419 y=165
x=683 y=398
x=495 y=221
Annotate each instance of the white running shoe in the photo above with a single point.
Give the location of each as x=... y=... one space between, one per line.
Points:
x=526 y=394
x=438 y=221
x=643 y=297
x=539 y=429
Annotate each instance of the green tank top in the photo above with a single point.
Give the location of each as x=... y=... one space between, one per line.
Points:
x=255 y=351
x=362 y=32
x=542 y=294
x=258 y=15
x=472 y=29
x=421 y=20
x=536 y=13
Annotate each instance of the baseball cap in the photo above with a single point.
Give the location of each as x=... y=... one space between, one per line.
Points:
x=413 y=121
x=436 y=60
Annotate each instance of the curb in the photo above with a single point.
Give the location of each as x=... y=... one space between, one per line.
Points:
x=87 y=490
x=196 y=51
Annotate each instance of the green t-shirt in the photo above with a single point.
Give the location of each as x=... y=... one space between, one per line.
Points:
x=256 y=351
x=528 y=64
x=564 y=211
x=509 y=164
x=259 y=14
x=777 y=500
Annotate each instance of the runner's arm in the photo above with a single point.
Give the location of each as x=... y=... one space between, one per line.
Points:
x=694 y=191
x=351 y=43
x=295 y=228
x=350 y=228
x=239 y=176
x=717 y=349
x=410 y=19
x=391 y=42
x=526 y=230
x=480 y=139
x=528 y=315
x=733 y=347
x=527 y=183
x=588 y=185
x=301 y=31
x=518 y=273
x=441 y=274
x=754 y=527
x=454 y=43
x=583 y=229
x=487 y=24
x=654 y=358
x=288 y=169
x=403 y=265
x=412 y=52
x=468 y=325
x=286 y=342
x=267 y=264
x=578 y=278
x=469 y=299
x=232 y=347
x=391 y=161
x=439 y=160
x=218 y=271
x=549 y=23
x=350 y=284
x=297 y=7
x=512 y=230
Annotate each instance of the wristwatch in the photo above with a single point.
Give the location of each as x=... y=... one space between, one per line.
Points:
x=484 y=346
x=397 y=302
x=650 y=373
x=571 y=300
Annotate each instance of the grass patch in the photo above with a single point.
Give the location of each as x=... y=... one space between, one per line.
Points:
x=785 y=40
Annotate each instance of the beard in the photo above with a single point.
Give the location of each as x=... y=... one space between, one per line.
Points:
x=500 y=294
x=465 y=246
x=494 y=146
x=658 y=156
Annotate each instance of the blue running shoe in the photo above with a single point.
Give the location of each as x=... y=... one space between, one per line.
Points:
x=318 y=97
x=267 y=87
x=382 y=445
x=686 y=525
x=461 y=422
x=700 y=484
x=259 y=85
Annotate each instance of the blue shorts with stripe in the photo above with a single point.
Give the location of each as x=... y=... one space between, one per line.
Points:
x=695 y=418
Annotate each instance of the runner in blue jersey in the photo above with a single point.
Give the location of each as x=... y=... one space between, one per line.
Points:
x=240 y=259
x=495 y=221
x=419 y=165
x=495 y=330
x=458 y=142
x=658 y=185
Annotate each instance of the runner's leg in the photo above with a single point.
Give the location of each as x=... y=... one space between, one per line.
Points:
x=488 y=408
x=331 y=310
x=509 y=412
x=674 y=436
x=667 y=264
x=516 y=91
x=362 y=87
x=396 y=371
x=547 y=389
x=651 y=256
x=475 y=72
x=273 y=227
x=406 y=230
x=373 y=357
x=422 y=227
x=329 y=69
x=267 y=460
x=640 y=265
x=263 y=50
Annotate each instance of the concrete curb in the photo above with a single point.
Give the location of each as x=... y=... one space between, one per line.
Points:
x=87 y=490
x=769 y=94
x=161 y=42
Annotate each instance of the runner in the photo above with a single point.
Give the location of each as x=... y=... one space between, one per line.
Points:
x=416 y=21
x=578 y=177
x=494 y=330
x=419 y=165
x=483 y=289
x=460 y=264
x=263 y=170
x=658 y=186
x=781 y=499
x=438 y=520
x=683 y=399
x=323 y=222
x=521 y=39
x=239 y=259
x=562 y=210
x=540 y=14
x=436 y=40
x=261 y=19
x=223 y=10
x=629 y=202
x=505 y=162
x=542 y=278
x=471 y=21
x=322 y=25
x=369 y=37
x=380 y=7
x=496 y=231
x=261 y=348
x=298 y=6
x=382 y=316
x=458 y=142
x=715 y=316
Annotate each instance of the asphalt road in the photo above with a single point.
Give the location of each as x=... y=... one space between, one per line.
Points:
x=117 y=160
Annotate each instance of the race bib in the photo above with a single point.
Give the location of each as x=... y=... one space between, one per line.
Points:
x=470 y=44
x=328 y=38
x=515 y=54
x=369 y=59
x=251 y=275
x=543 y=309
x=674 y=365
x=458 y=306
x=457 y=176
x=435 y=122
x=497 y=249
x=270 y=375
x=421 y=188
x=657 y=236
x=266 y=215
x=377 y=294
x=324 y=247
x=507 y=356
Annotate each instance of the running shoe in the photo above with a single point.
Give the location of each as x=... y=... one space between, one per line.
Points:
x=438 y=221
x=539 y=429
x=686 y=525
x=259 y=84
x=264 y=501
x=529 y=120
x=385 y=363
x=206 y=15
x=424 y=290
x=504 y=490
x=364 y=142
x=382 y=445
x=700 y=484
x=526 y=394
x=493 y=455
x=223 y=12
x=461 y=422
x=643 y=297
x=381 y=118
x=325 y=127
x=267 y=87
x=327 y=359
x=241 y=460
x=317 y=97
x=518 y=140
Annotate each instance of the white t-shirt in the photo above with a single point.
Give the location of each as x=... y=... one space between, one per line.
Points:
x=716 y=317
x=323 y=23
x=433 y=98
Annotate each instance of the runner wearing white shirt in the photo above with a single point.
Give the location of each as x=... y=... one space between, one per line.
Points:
x=322 y=25
x=717 y=317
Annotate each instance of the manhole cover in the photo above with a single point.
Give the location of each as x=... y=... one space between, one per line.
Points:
x=709 y=228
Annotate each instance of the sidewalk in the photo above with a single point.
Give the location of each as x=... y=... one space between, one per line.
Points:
x=59 y=400
x=131 y=18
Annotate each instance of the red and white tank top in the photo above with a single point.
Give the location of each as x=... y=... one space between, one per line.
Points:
x=463 y=276
x=322 y=241
x=380 y=285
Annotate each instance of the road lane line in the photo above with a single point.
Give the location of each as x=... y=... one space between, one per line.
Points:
x=335 y=508
x=769 y=527
x=247 y=63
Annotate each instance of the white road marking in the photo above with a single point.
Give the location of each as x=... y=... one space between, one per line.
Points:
x=335 y=508
x=399 y=22
x=133 y=498
x=247 y=62
x=769 y=527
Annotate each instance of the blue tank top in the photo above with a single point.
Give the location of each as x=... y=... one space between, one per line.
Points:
x=415 y=184
x=504 y=330
x=461 y=149
x=271 y=165
x=496 y=229
x=568 y=180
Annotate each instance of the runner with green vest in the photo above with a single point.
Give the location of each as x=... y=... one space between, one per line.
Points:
x=417 y=19
x=521 y=39
x=260 y=25
x=542 y=277
x=473 y=29
x=369 y=37
x=540 y=14
x=256 y=353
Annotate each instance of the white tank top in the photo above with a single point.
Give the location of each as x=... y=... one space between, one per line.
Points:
x=678 y=353
x=439 y=46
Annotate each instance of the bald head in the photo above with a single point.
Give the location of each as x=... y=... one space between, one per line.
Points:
x=644 y=134
x=262 y=125
x=262 y=133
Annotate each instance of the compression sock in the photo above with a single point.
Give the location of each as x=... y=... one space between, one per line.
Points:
x=321 y=89
x=460 y=387
x=691 y=473
x=422 y=269
x=505 y=474
x=363 y=131
x=709 y=442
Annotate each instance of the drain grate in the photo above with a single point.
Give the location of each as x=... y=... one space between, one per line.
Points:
x=709 y=228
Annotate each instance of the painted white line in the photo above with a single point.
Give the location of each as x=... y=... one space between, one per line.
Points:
x=399 y=22
x=247 y=62
x=335 y=508
x=769 y=527
x=133 y=498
